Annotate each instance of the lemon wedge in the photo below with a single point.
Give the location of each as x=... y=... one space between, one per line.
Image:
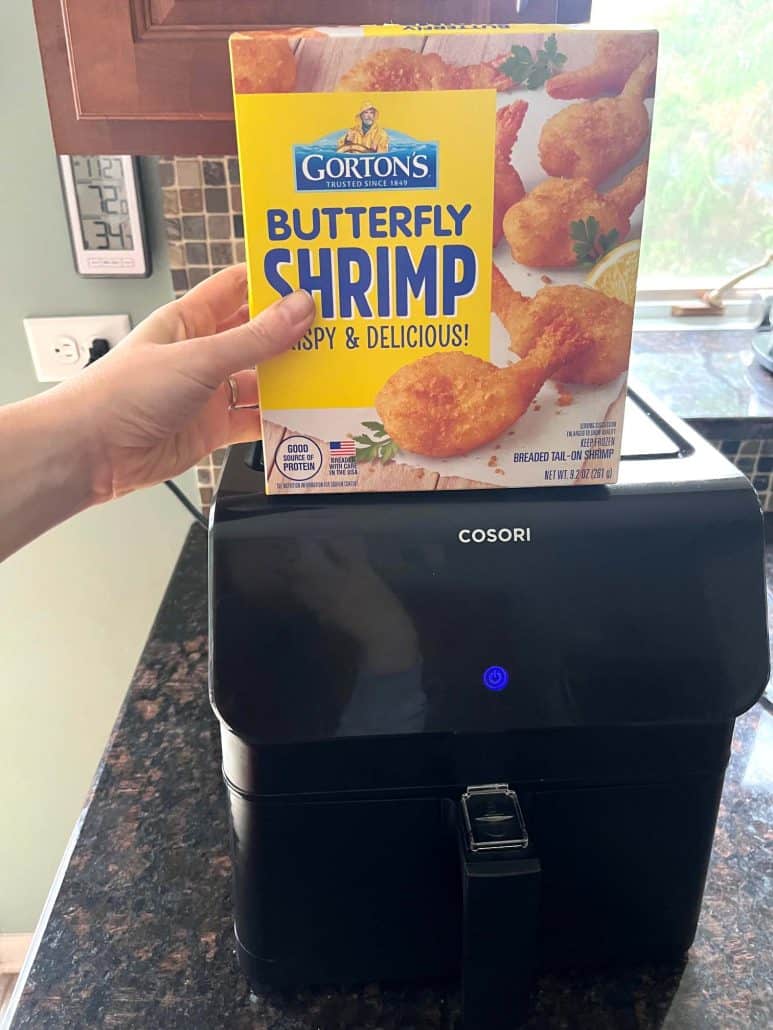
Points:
x=615 y=274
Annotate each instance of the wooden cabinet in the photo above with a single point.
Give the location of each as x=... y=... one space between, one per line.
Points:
x=152 y=76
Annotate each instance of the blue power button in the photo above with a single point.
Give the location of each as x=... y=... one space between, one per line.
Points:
x=495 y=678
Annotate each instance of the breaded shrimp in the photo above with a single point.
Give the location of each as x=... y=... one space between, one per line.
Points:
x=395 y=69
x=481 y=76
x=604 y=320
x=508 y=187
x=590 y=140
x=617 y=55
x=398 y=68
x=262 y=63
x=538 y=227
x=448 y=404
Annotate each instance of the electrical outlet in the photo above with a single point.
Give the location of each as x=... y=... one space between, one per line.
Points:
x=61 y=347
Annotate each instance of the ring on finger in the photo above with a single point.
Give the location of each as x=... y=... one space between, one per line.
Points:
x=233 y=390
x=232 y=384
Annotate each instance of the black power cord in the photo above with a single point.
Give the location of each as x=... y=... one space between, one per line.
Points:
x=194 y=511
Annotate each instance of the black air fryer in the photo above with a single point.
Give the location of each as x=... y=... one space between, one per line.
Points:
x=478 y=733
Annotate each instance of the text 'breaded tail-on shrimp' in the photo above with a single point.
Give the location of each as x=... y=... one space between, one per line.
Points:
x=398 y=68
x=617 y=56
x=538 y=227
x=592 y=139
x=605 y=321
x=449 y=404
x=508 y=187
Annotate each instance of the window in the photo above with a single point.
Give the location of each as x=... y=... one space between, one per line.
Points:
x=709 y=207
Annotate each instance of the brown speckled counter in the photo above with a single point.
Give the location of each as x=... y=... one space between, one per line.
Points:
x=140 y=933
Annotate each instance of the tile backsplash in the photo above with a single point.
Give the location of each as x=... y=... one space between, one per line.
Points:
x=202 y=204
x=203 y=216
x=755 y=459
x=205 y=232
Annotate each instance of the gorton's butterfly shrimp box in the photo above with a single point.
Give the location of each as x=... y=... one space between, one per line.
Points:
x=465 y=206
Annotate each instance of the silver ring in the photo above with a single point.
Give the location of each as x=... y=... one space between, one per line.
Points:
x=233 y=389
x=232 y=384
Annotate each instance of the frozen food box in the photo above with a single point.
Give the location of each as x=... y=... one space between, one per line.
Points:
x=465 y=206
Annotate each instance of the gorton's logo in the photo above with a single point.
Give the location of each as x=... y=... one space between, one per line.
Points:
x=365 y=156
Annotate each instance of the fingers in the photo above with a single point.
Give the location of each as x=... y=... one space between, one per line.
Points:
x=243 y=426
x=238 y=318
x=214 y=304
x=214 y=301
x=226 y=425
x=244 y=421
x=212 y=358
x=246 y=383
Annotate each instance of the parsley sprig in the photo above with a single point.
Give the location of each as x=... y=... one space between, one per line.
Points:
x=380 y=448
x=522 y=68
x=590 y=245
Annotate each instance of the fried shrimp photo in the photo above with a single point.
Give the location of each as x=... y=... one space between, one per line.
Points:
x=395 y=69
x=606 y=322
x=538 y=227
x=508 y=187
x=262 y=64
x=401 y=69
x=617 y=56
x=591 y=139
x=449 y=404
x=485 y=75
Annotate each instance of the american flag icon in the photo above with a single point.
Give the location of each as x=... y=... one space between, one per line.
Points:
x=342 y=447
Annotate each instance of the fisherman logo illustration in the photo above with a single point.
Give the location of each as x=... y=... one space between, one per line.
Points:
x=365 y=156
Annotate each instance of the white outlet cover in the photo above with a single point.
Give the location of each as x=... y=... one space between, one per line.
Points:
x=60 y=346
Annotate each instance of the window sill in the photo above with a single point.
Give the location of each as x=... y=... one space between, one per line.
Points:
x=742 y=309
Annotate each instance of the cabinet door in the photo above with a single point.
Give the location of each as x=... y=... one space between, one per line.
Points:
x=152 y=76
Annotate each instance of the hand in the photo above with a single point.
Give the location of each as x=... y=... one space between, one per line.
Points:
x=160 y=401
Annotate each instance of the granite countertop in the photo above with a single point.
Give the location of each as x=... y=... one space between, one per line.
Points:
x=711 y=379
x=140 y=932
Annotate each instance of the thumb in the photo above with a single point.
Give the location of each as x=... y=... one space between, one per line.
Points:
x=211 y=358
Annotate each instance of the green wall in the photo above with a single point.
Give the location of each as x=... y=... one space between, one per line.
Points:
x=75 y=606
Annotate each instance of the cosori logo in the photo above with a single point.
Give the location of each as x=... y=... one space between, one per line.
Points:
x=521 y=535
x=365 y=156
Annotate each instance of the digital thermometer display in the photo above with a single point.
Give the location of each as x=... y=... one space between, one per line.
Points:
x=100 y=187
x=105 y=215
